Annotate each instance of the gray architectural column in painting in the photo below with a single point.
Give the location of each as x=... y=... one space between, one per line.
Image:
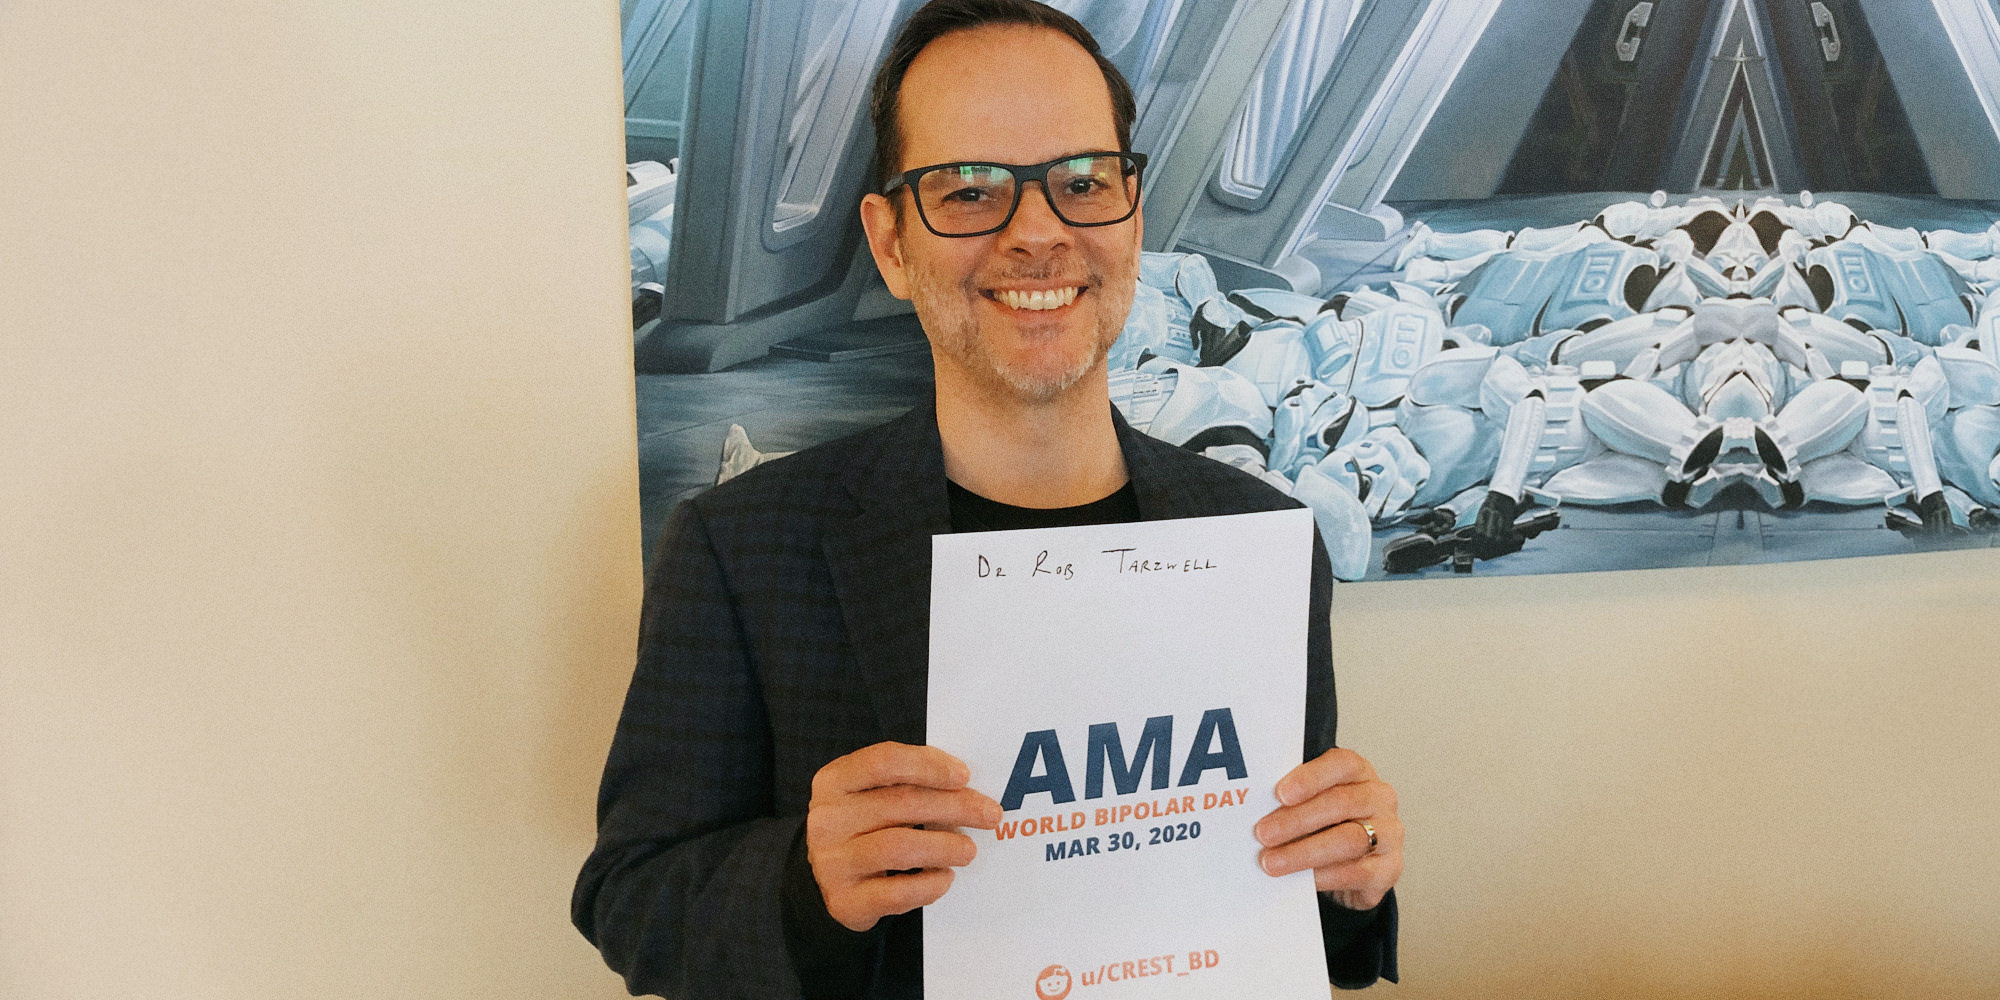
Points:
x=1208 y=72
x=1464 y=151
x=775 y=153
x=655 y=79
x=1739 y=110
x=1944 y=56
x=1403 y=112
x=1392 y=69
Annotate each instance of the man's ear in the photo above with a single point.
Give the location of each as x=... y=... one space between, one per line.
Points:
x=878 y=218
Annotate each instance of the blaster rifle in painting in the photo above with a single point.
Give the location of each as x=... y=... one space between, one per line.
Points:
x=1496 y=532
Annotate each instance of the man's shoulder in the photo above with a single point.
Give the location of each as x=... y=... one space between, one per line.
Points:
x=805 y=479
x=818 y=480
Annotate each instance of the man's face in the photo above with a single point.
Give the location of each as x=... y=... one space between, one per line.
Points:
x=1020 y=95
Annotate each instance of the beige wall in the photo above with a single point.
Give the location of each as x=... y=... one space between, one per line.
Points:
x=318 y=510
x=1771 y=781
x=318 y=567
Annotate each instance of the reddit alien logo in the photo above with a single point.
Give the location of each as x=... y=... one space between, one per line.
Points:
x=1053 y=983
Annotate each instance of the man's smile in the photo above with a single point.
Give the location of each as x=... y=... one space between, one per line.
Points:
x=1035 y=299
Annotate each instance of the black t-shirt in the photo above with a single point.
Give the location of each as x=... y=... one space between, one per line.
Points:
x=972 y=512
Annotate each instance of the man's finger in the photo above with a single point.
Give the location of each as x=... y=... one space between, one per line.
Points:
x=901 y=848
x=890 y=764
x=859 y=905
x=1331 y=806
x=1338 y=766
x=910 y=805
x=891 y=894
x=1335 y=845
x=862 y=813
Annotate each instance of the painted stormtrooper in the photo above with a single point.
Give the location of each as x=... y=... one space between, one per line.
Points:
x=1218 y=374
x=1729 y=397
x=1968 y=439
x=1537 y=281
x=1887 y=279
x=1730 y=384
x=1694 y=355
x=649 y=198
x=1315 y=397
x=1691 y=356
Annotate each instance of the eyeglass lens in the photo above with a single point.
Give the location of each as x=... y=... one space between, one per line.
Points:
x=975 y=198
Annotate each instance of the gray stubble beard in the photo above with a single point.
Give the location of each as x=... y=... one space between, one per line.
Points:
x=954 y=332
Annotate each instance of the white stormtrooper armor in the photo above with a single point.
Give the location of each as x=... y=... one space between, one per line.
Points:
x=1394 y=337
x=649 y=199
x=1869 y=372
x=1752 y=402
x=1888 y=285
x=1733 y=251
x=1310 y=421
x=1902 y=407
x=1983 y=275
x=1968 y=451
x=1277 y=359
x=1148 y=331
x=1344 y=529
x=1642 y=222
x=1383 y=470
x=1782 y=352
x=1966 y=443
x=1190 y=406
x=1817 y=221
x=1332 y=342
x=1222 y=414
x=1966 y=246
x=1524 y=293
x=1445 y=415
x=1265 y=304
x=1428 y=243
x=740 y=456
x=1161 y=325
x=1545 y=431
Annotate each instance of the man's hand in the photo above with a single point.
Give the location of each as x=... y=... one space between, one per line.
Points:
x=881 y=832
x=1328 y=806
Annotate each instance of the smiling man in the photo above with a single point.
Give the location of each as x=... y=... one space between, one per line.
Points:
x=1019 y=303
x=770 y=823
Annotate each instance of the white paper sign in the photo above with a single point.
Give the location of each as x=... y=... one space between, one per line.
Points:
x=1131 y=693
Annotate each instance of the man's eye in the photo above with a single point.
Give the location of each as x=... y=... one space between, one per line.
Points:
x=970 y=195
x=1083 y=185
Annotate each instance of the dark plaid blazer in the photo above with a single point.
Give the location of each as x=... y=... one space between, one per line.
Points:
x=786 y=623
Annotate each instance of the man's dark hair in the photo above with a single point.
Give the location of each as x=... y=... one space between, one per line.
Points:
x=942 y=17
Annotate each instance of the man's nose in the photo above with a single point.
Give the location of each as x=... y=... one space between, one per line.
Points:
x=1035 y=223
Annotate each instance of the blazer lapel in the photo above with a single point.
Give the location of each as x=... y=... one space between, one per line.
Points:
x=1160 y=496
x=880 y=561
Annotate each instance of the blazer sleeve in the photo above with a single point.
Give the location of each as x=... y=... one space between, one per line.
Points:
x=1360 y=945
x=682 y=894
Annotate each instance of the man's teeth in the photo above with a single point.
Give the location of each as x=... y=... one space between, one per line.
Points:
x=1054 y=298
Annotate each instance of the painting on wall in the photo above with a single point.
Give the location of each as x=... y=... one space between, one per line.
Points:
x=1492 y=286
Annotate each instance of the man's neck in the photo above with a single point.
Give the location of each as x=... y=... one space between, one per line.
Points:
x=1060 y=453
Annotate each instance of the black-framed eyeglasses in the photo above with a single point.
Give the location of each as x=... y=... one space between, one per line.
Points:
x=974 y=198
